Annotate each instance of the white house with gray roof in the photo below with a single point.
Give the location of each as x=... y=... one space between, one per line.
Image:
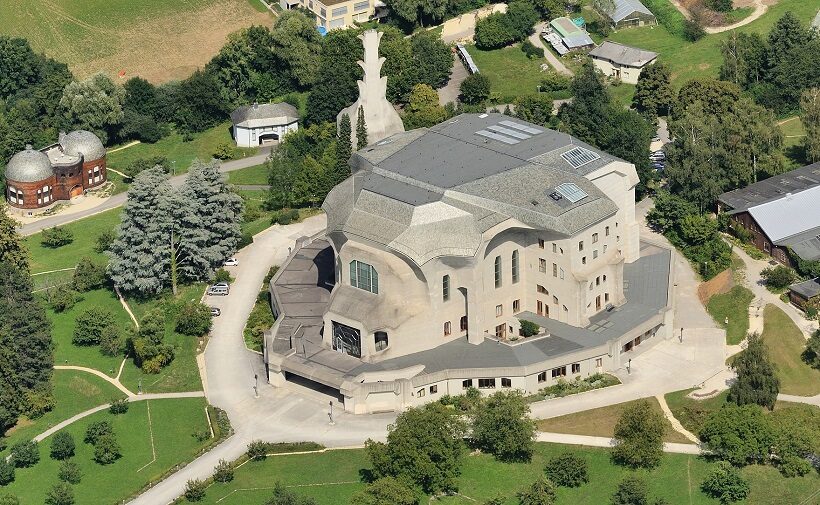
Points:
x=258 y=124
x=621 y=62
x=437 y=246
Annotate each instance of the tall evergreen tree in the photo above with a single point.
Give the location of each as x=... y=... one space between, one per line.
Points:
x=140 y=258
x=361 y=129
x=208 y=223
x=343 y=152
x=757 y=381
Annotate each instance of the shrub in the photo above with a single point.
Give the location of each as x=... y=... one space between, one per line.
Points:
x=195 y=490
x=88 y=275
x=285 y=216
x=224 y=151
x=223 y=471
x=567 y=470
x=62 y=445
x=222 y=275
x=70 y=472
x=118 y=406
x=692 y=30
x=62 y=298
x=811 y=355
x=96 y=430
x=779 y=277
x=541 y=492
x=257 y=450
x=138 y=165
x=60 y=494
x=56 y=237
x=25 y=454
x=104 y=241
x=531 y=50
x=194 y=319
x=631 y=491
x=90 y=325
x=37 y=402
x=9 y=499
x=720 y=5
x=725 y=483
x=6 y=472
x=107 y=450
x=475 y=89
x=528 y=328
x=111 y=341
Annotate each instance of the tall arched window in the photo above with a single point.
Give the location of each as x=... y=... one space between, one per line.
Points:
x=445 y=288
x=498 y=271
x=515 y=267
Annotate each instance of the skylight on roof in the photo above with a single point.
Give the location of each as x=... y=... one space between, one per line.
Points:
x=579 y=156
x=496 y=136
x=571 y=192
x=522 y=127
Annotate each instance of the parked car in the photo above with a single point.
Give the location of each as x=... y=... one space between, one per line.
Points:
x=215 y=311
x=218 y=289
x=231 y=262
x=658 y=166
x=656 y=138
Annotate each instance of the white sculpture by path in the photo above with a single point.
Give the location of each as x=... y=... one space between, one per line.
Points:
x=381 y=118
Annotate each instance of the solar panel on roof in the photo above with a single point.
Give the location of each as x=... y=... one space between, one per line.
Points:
x=579 y=156
x=522 y=127
x=495 y=136
x=511 y=133
x=571 y=192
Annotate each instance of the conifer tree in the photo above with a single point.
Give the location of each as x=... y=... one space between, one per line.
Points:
x=343 y=151
x=361 y=129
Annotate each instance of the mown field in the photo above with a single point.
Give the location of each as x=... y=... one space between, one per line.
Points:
x=158 y=40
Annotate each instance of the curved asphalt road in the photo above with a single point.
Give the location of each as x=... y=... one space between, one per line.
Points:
x=119 y=199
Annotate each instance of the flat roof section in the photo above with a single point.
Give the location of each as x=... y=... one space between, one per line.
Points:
x=774 y=187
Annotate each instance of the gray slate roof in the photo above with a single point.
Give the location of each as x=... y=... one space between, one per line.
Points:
x=623 y=55
x=772 y=188
x=272 y=113
x=29 y=166
x=807 y=289
x=625 y=8
x=82 y=143
x=433 y=192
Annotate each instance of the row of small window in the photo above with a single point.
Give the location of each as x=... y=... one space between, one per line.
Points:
x=561 y=371
x=486 y=383
x=448 y=327
x=594 y=238
x=94 y=175
x=44 y=195
x=598 y=280
x=498 y=268
x=556 y=272
x=516 y=307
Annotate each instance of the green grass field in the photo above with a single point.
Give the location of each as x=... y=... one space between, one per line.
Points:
x=510 y=72
x=735 y=306
x=63 y=323
x=601 y=422
x=157 y=40
x=690 y=412
x=786 y=343
x=252 y=175
x=172 y=423
x=688 y=60
x=332 y=477
x=74 y=392
x=793 y=136
x=176 y=150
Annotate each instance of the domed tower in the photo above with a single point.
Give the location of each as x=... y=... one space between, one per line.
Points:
x=30 y=180
x=87 y=147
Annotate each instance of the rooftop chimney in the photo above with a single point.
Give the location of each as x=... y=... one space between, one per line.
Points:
x=29 y=147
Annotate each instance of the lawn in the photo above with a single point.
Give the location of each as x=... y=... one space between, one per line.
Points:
x=688 y=60
x=601 y=422
x=63 y=323
x=158 y=40
x=171 y=424
x=176 y=150
x=733 y=305
x=257 y=174
x=690 y=412
x=73 y=392
x=86 y=231
x=793 y=136
x=786 y=343
x=332 y=477
x=510 y=72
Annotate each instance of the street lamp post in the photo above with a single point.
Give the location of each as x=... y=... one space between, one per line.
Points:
x=174 y=167
x=256 y=386
x=629 y=367
x=330 y=414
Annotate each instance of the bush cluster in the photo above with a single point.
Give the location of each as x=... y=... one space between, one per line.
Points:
x=56 y=236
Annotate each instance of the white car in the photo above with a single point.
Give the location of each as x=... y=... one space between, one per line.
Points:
x=231 y=262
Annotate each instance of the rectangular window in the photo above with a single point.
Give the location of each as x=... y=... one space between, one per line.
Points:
x=542 y=265
x=364 y=276
x=581 y=245
x=584 y=260
x=499 y=310
x=598 y=281
x=434 y=389
x=467 y=383
x=541 y=289
x=447 y=328
x=606 y=297
x=576 y=368
x=497 y=271
x=463 y=323
x=554 y=247
x=336 y=23
x=594 y=238
x=445 y=288
x=516 y=306
x=323 y=12
x=515 y=267
x=486 y=383
x=617 y=238
x=561 y=371
x=542 y=377
x=555 y=270
x=361 y=6
x=562 y=273
x=595 y=254
x=506 y=383
x=606 y=231
x=381 y=340
x=555 y=299
x=604 y=247
x=599 y=362
x=500 y=331
x=541 y=243
x=420 y=392
x=338 y=11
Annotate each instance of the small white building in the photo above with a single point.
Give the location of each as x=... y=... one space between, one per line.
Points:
x=259 y=124
x=621 y=62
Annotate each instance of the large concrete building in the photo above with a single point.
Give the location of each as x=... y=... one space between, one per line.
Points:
x=38 y=179
x=332 y=14
x=442 y=241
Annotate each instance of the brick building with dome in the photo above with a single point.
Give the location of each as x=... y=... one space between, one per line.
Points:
x=37 y=179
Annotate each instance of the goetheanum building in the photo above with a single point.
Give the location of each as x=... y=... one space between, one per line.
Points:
x=37 y=179
x=442 y=241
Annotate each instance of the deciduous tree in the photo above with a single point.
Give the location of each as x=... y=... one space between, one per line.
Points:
x=502 y=427
x=60 y=494
x=567 y=470
x=423 y=109
x=757 y=381
x=386 y=491
x=90 y=325
x=639 y=435
x=739 y=435
x=94 y=104
x=653 y=93
x=12 y=249
x=540 y=492
x=62 y=445
x=810 y=117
